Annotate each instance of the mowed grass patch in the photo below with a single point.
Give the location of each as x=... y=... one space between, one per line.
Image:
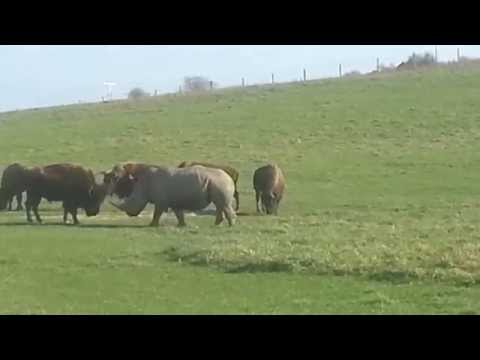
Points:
x=380 y=213
x=117 y=267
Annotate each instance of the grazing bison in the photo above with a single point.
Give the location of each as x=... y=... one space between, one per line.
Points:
x=269 y=184
x=228 y=169
x=192 y=188
x=71 y=184
x=13 y=185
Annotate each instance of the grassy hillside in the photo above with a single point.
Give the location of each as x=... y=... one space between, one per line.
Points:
x=380 y=213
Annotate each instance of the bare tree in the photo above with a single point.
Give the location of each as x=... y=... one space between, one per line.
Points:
x=354 y=73
x=197 y=83
x=418 y=60
x=137 y=93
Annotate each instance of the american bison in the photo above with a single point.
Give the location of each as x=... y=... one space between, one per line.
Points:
x=228 y=169
x=269 y=185
x=120 y=179
x=13 y=185
x=192 y=188
x=71 y=184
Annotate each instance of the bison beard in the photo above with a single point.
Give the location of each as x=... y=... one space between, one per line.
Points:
x=123 y=207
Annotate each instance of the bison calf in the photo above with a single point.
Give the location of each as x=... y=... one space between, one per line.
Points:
x=269 y=185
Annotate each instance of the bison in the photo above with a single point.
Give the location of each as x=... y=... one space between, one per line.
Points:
x=121 y=185
x=13 y=185
x=192 y=188
x=71 y=184
x=269 y=185
x=228 y=169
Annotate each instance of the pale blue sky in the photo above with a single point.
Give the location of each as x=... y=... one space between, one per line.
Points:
x=40 y=75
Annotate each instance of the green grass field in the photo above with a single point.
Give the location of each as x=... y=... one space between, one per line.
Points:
x=380 y=215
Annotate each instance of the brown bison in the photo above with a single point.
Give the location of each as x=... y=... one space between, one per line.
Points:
x=71 y=184
x=228 y=169
x=13 y=185
x=269 y=185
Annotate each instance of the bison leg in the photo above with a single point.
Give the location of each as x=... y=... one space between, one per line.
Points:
x=34 y=205
x=10 y=201
x=37 y=215
x=157 y=213
x=65 y=215
x=33 y=200
x=230 y=215
x=180 y=217
x=237 y=200
x=19 y=202
x=66 y=210
x=257 y=198
x=69 y=208
x=277 y=204
x=73 y=211
x=219 y=217
x=28 y=206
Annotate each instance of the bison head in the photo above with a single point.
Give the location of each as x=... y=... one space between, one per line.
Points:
x=270 y=202
x=133 y=189
x=96 y=196
x=119 y=181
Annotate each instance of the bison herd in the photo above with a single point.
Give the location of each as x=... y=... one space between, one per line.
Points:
x=191 y=186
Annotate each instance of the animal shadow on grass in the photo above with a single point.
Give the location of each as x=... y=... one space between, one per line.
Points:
x=200 y=258
x=113 y=226
x=211 y=212
x=261 y=267
x=61 y=224
x=395 y=277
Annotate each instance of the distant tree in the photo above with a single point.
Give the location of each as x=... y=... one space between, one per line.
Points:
x=464 y=59
x=137 y=93
x=415 y=60
x=387 y=68
x=353 y=73
x=197 y=83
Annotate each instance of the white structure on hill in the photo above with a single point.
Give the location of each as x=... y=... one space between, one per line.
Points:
x=109 y=86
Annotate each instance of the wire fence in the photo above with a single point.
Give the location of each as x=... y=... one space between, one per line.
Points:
x=304 y=75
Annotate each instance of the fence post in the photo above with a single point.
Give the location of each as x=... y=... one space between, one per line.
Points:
x=304 y=75
x=273 y=79
x=436 y=54
x=340 y=70
x=458 y=54
x=378 y=65
x=243 y=82
x=211 y=85
x=180 y=89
